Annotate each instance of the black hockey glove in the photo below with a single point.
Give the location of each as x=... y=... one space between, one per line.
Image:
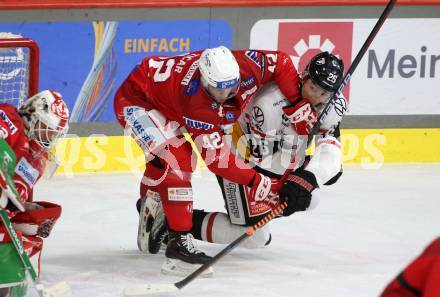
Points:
x=297 y=191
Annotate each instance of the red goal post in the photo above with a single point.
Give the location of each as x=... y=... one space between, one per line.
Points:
x=19 y=68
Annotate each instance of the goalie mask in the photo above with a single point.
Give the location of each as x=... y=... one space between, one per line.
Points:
x=46 y=117
x=220 y=73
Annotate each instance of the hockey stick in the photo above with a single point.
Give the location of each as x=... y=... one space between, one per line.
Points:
x=61 y=289
x=148 y=289
x=342 y=86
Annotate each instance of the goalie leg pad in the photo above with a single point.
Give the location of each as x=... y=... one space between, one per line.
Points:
x=33 y=245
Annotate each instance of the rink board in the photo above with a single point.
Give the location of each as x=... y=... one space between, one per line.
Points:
x=368 y=147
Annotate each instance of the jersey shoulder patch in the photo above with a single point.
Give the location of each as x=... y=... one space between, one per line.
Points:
x=256 y=57
x=4 y=117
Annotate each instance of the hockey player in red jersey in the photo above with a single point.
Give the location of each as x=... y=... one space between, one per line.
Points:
x=269 y=129
x=28 y=132
x=202 y=92
x=421 y=278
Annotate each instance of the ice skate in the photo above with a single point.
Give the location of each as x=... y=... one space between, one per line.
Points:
x=183 y=257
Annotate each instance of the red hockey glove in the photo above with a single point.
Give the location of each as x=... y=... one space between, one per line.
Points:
x=264 y=188
x=301 y=115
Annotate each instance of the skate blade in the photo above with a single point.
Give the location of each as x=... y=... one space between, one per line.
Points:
x=180 y=268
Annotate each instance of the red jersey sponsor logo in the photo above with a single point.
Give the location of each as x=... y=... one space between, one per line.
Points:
x=303 y=40
x=3 y=132
x=4 y=117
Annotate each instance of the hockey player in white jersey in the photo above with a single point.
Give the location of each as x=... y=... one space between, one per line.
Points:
x=267 y=135
x=270 y=131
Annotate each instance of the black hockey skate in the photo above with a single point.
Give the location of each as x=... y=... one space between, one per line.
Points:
x=183 y=257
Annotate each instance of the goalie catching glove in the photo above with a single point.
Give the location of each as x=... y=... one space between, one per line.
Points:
x=297 y=191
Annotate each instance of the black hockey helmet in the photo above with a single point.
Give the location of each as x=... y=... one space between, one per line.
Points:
x=325 y=70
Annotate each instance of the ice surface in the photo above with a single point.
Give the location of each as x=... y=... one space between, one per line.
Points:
x=366 y=228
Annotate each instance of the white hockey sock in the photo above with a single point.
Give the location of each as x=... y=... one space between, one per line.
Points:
x=217 y=228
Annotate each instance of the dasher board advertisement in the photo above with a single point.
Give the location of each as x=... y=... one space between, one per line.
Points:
x=399 y=74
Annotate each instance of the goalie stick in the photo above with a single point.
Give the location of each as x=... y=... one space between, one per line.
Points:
x=147 y=289
x=60 y=289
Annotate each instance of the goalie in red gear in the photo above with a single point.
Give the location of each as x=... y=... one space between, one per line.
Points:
x=29 y=131
x=203 y=93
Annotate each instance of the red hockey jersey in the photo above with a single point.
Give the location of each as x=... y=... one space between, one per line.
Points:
x=172 y=85
x=30 y=157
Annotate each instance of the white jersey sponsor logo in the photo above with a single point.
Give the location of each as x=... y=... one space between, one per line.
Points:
x=11 y=125
x=185 y=81
x=27 y=172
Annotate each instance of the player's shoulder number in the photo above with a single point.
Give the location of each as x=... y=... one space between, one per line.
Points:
x=164 y=65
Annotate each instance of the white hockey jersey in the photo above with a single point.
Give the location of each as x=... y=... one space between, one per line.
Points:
x=271 y=140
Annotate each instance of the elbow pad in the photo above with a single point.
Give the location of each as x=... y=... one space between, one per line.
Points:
x=325 y=163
